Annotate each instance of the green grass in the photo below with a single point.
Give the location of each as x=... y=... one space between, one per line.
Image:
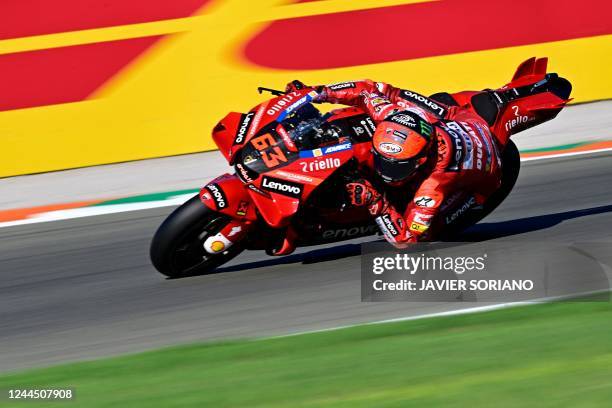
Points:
x=547 y=355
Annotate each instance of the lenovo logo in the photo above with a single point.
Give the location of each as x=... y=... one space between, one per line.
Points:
x=244 y=127
x=284 y=187
x=218 y=196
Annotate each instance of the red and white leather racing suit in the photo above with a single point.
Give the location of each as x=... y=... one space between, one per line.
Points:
x=464 y=160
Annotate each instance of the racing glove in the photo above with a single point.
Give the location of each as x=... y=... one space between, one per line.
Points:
x=362 y=193
x=297 y=85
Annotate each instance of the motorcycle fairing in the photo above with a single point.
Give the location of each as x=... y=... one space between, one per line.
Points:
x=354 y=122
x=226 y=194
x=279 y=175
x=531 y=98
x=287 y=187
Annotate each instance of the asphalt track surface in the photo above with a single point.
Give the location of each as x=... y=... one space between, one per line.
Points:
x=84 y=288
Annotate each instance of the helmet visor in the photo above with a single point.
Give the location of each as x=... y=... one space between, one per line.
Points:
x=395 y=170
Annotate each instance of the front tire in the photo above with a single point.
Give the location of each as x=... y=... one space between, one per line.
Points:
x=177 y=247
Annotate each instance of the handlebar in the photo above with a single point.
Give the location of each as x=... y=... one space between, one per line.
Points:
x=274 y=92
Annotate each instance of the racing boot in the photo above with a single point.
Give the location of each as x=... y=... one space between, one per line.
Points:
x=229 y=235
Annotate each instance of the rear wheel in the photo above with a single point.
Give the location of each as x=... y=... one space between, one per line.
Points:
x=511 y=165
x=177 y=246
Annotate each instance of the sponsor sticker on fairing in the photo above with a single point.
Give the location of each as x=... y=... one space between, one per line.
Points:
x=243 y=127
x=286 y=138
x=318 y=165
x=234 y=231
x=281 y=103
x=295 y=176
x=257 y=119
x=283 y=187
x=258 y=190
x=349 y=232
x=217 y=195
x=296 y=105
x=337 y=148
x=243 y=207
x=326 y=150
x=245 y=174
x=517 y=120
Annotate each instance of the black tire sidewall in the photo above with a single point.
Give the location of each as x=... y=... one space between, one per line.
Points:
x=190 y=216
x=511 y=165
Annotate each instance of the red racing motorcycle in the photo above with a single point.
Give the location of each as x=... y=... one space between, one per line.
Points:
x=292 y=163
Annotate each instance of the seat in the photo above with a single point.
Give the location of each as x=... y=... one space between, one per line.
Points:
x=485 y=105
x=445 y=98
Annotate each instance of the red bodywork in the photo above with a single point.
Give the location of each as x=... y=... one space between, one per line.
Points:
x=300 y=175
x=523 y=113
x=287 y=176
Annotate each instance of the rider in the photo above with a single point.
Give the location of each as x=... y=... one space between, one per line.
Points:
x=443 y=151
x=422 y=149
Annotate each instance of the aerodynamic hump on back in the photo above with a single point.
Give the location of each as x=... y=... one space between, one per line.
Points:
x=531 y=98
x=532 y=66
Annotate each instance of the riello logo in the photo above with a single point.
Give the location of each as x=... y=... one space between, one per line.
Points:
x=318 y=165
x=518 y=119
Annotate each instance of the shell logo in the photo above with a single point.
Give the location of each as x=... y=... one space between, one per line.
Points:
x=217 y=246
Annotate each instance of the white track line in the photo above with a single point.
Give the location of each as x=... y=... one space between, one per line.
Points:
x=97 y=210
x=469 y=310
x=178 y=200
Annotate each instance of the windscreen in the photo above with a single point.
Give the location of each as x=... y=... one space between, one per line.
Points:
x=305 y=128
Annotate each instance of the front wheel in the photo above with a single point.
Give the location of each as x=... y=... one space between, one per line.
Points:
x=177 y=247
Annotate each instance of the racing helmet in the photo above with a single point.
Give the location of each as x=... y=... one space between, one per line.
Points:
x=402 y=143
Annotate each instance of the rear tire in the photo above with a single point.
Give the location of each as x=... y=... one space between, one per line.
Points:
x=177 y=246
x=511 y=165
